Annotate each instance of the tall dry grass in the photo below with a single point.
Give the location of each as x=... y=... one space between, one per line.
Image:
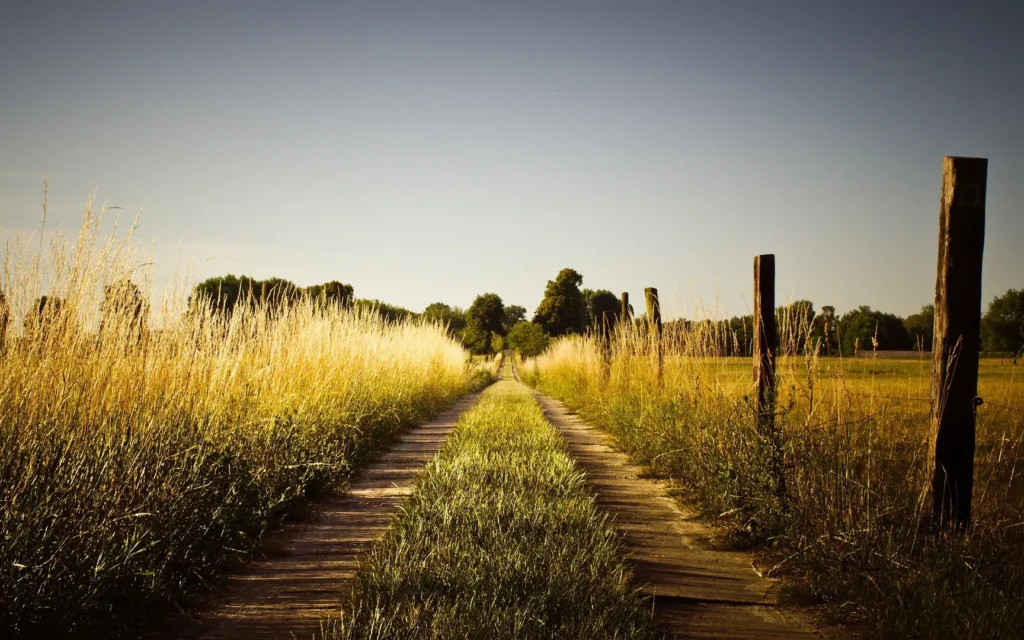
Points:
x=137 y=459
x=846 y=513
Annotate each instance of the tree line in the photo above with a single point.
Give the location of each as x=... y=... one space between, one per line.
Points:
x=489 y=325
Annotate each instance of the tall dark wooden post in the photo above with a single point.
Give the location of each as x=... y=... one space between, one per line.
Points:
x=624 y=315
x=655 y=327
x=766 y=339
x=957 y=337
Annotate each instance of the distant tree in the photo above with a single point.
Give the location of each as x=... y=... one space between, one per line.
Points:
x=862 y=325
x=488 y=311
x=1002 y=326
x=794 y=322
x=921 y=327
x=124 y=309
x=825 y=331
x=275 y=293
x=497 y=343
x=332 y=293
x=223 y=293
x=563 y=310
x=514 y=314
x=476 y=337
x=389 y=312
x=528 y=338
x=451 y=317
x=48 y=318
x=599 y=303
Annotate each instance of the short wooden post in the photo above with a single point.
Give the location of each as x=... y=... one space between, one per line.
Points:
x=624 y=315
x=957 y=338
x=655 y=327
x=766 y=339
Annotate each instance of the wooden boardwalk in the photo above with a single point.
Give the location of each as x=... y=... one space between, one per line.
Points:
x=699 y=588
x=308 y=577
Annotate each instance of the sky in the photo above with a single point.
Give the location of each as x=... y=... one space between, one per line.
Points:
x=432 y=151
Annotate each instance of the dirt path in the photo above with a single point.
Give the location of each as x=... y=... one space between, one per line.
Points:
x=700 y=589
x=307 y=576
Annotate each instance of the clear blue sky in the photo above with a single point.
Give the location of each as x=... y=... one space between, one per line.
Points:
x=427 y=151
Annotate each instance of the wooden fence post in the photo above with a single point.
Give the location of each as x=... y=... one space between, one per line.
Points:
x=766 y=339
x=605 y=336
x=957 y=338
x=655 y=326
x=624 y=315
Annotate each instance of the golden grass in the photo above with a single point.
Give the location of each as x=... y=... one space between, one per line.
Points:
x=852 y=519
x=136 y=462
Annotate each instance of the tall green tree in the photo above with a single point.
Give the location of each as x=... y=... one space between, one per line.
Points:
x=860 y=326
x=601 y=303
x=528 y=338
x=514 y=314
x=1002 y=326
x=488 y=311
x=440 y=313
x=921 y=327
x=476 y=337
x=563 y=309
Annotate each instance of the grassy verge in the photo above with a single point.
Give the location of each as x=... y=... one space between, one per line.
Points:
x=501 y=539
x=836 y=497
x=135 y=462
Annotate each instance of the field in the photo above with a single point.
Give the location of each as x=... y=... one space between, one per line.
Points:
x=137 y=462
x=836 y=498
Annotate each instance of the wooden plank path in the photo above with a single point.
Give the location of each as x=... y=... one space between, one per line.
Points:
x=308 y=576
x=699 y=588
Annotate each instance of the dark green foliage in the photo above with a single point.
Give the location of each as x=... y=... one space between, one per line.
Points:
x=528 y=338
x=795 y=322
x=514 y=314
x=476 y=337
x=1002 y=326
x=921 y=327
x=488 y=311
x=333 y=292
x=602 y=304
x=124 y=307
x=225 y=293
x=563 y=310
x=390 y=312
x=859 y=327
x=453 y=318
x=825 y=331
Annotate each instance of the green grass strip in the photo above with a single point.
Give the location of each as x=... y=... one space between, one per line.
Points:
x=501 y=539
